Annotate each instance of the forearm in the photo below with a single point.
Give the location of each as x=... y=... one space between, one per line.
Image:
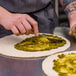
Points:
x=3 y=12
x=70 y=10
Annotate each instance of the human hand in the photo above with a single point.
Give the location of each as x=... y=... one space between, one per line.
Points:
x=72 y=20
x=19 y=23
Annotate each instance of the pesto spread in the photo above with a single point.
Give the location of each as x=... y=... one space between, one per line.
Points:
x=65 y=65
x=42 y=42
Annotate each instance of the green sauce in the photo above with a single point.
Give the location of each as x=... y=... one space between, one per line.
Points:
x=42 y=42
x=65 y=65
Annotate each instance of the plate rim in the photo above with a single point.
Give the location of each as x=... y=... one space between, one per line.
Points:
x=67 y=45
x=49 y=59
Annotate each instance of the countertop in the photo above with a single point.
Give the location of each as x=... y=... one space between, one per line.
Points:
x=30 y=67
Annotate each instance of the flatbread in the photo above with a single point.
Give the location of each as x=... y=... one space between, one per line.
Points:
x=47 y=64
x=7 y=47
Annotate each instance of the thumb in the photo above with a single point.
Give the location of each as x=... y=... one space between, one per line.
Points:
x=72 y=29
x=70 y=32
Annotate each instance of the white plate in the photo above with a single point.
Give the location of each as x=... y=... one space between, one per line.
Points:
x=7 y=47
x=47 y=64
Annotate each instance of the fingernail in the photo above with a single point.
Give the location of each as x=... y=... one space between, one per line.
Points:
x=36 y=34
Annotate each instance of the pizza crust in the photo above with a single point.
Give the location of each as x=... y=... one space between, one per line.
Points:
x=7 y=47
x=47 y=64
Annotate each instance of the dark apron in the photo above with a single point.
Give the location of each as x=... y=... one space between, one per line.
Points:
x=41 y=10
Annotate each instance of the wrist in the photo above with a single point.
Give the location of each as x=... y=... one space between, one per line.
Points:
x=72 y=18
x=3 y=13
x=72 y=15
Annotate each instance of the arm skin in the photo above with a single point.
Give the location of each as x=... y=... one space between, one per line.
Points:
x=70 y=9
x=18 y=23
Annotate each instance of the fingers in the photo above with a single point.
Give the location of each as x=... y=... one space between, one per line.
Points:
x=15 y=30
x=24 y=24
x=21 y=28
x=34 y=24
x=27 y=26
x=70 y=32
x=72 y=29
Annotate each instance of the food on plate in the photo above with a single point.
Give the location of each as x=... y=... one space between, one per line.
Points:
x=42 y=42
x=60 y=64
x=29 y=46
x=65 y=65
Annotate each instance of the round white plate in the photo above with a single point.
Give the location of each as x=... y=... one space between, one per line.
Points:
x=47 y=64
x=7 y=47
